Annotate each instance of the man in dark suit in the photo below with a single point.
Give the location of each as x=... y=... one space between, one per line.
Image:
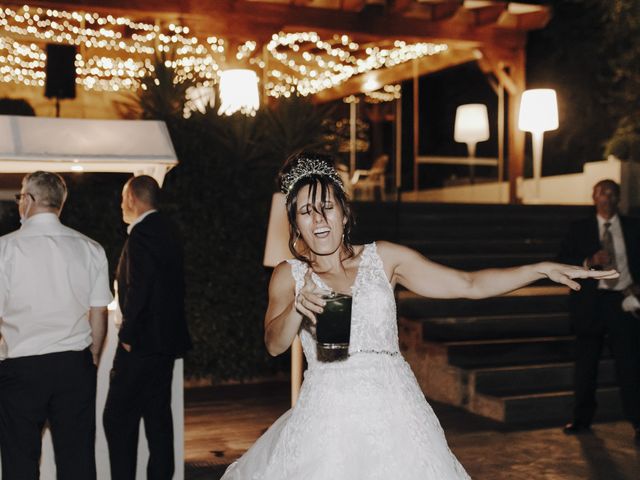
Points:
x=605 y=240
x=153 y=333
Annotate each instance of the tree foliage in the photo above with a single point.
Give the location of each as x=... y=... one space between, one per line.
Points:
x=569 y=55
x=220 y=195
x=622 y=21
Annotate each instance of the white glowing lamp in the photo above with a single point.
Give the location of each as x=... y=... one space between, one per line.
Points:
x=239 y=92
x=471 y=125
x=198 y=99
x=538 y=114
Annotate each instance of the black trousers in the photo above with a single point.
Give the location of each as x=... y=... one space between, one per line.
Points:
x=622 y=332
x=59 y=388
x=140 y=388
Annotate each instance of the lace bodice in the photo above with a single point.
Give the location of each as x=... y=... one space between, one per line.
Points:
x=373 y=317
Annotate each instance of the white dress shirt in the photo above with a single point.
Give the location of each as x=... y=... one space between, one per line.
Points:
x=622 y=265
x=139 y=219
x=50 y=275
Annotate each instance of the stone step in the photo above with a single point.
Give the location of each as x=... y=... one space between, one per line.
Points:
x=495 y=326
x=470 y=262
x=494 y=353
x=457 y=210
x=414 y=307
x=532 y=379
x=543 y=408
x=456 y=245
x=378 y=229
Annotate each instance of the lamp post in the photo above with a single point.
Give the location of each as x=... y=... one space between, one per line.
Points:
x=538 y=114
x=471 y=126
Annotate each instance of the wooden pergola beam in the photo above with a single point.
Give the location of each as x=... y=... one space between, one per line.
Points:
x=259 y=20
x=524 y=17
x=399 y=6
x=482 y=14
x=494 y=63
x=433 y=10
x=352 y=5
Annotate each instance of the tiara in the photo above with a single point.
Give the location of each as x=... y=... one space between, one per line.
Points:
x=306 y=168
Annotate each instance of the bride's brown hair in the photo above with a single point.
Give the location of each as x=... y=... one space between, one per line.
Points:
x=318 y=171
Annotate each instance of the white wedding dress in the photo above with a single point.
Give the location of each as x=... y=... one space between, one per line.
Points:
x=363 y=418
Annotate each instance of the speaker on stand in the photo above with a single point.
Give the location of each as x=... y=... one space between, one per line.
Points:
x=61 y=73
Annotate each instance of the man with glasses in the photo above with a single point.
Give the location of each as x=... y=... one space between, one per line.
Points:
x=54 y=292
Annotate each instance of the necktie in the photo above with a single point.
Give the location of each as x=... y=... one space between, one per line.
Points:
x=608 y=246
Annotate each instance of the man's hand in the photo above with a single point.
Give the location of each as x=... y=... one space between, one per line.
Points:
x=126 y=346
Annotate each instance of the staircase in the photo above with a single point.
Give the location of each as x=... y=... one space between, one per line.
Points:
x=508 y=358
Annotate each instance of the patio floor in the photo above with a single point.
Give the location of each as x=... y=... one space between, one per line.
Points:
x=222 y=422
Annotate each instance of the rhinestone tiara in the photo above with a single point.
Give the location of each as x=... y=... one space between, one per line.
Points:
x=305 y=167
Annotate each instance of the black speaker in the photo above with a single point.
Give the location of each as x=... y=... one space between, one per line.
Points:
x=60 y=71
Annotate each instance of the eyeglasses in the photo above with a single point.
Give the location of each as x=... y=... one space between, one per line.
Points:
x=18 y=196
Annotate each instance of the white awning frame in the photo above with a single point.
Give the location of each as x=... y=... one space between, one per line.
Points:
x=64 y=145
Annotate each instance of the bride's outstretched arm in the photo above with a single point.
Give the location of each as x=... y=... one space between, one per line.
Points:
x=424 y=277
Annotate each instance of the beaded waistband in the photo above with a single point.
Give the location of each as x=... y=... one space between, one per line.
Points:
x=375 y=352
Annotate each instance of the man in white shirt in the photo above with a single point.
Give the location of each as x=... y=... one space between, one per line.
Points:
x=54 y=292
x=605 y=240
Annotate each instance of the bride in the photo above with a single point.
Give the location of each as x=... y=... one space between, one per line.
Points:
x=363 y=417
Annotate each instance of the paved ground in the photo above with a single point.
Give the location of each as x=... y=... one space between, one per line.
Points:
x=223 y=422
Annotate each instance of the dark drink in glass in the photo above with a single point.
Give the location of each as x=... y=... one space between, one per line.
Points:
x=333 y=329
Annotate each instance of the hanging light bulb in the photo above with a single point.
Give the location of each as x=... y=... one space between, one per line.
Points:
x=239 y=92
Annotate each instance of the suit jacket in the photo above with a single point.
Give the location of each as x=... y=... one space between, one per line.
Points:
x=581 y=242
x=151 y=288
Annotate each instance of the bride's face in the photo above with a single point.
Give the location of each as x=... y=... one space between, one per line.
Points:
x=321 y=224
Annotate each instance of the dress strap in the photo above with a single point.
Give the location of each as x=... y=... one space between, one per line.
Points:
x=371 y=267
x=370 y=257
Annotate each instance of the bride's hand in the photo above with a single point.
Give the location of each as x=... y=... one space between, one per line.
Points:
x=309 y=301
x=565 y=274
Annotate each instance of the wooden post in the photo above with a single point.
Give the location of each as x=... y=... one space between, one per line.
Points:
x=353 y=134
x=398 y=152
x=500 y=139
x=416 y=124
x=296 y=369
x=516 y=137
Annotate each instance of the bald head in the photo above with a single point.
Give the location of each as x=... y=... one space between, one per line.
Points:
x=139 y=195
x=145 y=189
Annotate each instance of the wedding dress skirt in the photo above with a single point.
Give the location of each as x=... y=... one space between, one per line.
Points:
x=363 y=418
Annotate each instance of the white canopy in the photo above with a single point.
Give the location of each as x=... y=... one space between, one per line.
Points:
x=82 y=145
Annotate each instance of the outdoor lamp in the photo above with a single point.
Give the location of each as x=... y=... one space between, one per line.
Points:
x=538 y=114
x=276 y=250
x=198 y=99
x=239 y=92
x=471 y=126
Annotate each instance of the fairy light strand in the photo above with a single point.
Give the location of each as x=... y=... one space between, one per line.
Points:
x=115 y=53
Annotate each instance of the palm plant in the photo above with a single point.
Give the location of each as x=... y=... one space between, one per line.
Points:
x=161 y=95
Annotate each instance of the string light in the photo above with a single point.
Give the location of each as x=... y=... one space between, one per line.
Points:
x=115 y=53
x=388 y=93
x=341 y=59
